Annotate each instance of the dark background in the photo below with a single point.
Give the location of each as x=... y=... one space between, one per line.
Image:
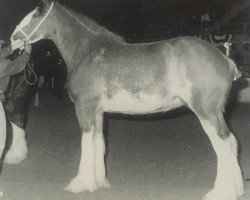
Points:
x=170 y=158
x=117 y=15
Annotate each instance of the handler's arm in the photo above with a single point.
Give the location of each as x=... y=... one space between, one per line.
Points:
x=5 y=52
x=8 y=68
x=19 y=63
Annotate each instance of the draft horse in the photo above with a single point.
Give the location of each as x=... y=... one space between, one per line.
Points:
x=18 y=95
x=13 y=105
x=106 y=74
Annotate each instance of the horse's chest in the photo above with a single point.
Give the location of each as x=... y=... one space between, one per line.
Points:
x=127 y=102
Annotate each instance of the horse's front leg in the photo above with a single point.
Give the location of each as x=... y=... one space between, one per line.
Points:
x=100 y=152
x=18 y=149
x=91 y=174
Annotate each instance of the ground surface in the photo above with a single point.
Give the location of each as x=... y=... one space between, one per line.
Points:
x=163 y=157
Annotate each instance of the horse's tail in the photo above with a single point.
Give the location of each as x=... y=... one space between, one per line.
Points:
x=234 y=73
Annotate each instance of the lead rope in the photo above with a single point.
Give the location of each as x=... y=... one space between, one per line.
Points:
x=33 y=72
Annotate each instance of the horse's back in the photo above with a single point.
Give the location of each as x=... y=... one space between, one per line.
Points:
x=198 y=58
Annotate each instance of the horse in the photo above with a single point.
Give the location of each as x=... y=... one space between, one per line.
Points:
x=14 y=106
x=107 y=74
x=18 y=96
x=13 y=100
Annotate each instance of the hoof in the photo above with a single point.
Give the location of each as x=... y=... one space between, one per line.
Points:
x=222 y=195
x=18 y=150
x=103 y=184
x=76 y=186
x=13 y=158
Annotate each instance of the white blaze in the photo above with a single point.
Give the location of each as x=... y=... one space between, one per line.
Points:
x=26 y=20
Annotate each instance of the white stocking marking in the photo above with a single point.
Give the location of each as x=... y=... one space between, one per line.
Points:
x=86 y=168
x=18 y=150
x=100 y=163
x=3 y=128
x=229 y=182
x=85 y=179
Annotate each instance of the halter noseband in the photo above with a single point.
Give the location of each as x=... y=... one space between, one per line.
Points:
x=27 y=37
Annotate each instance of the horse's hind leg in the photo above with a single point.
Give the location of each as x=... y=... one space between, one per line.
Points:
x=229 y=183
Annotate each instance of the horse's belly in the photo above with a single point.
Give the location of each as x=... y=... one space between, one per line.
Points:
x=127 y=102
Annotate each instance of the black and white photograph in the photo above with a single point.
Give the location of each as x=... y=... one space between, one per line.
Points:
x=125 y=99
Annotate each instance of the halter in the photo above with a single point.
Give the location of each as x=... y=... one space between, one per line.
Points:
x=18 y=29
x=227 y=47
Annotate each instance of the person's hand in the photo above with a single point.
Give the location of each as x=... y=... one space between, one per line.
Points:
x=27 y=48
x=17 y=44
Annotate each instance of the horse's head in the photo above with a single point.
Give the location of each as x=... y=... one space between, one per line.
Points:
x=33 y=26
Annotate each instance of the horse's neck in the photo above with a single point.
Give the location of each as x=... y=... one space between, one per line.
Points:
x=70 y=38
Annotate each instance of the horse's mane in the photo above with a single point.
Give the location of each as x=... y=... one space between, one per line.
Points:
x=91 y=24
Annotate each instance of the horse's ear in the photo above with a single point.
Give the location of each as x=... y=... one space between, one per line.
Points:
x=41 y=7
x=46 y=2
